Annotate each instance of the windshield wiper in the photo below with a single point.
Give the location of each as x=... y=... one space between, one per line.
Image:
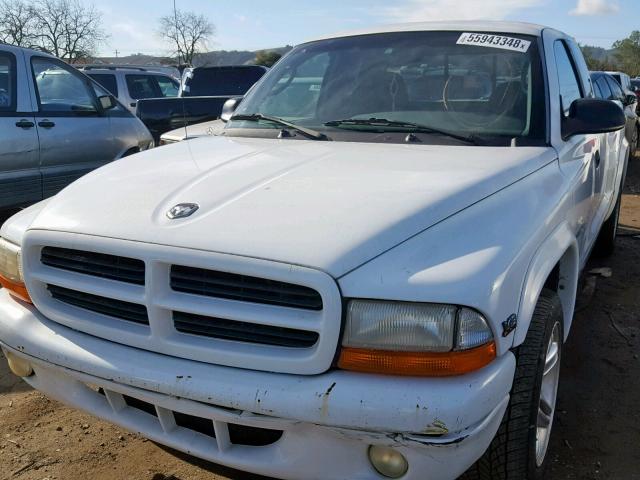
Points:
x=307 y=132
x=406 y=126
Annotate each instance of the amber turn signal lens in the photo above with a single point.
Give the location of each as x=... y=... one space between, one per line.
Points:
x=423 y=364
x=18 y=290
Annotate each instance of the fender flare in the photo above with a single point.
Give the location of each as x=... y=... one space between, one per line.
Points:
x=561 y=247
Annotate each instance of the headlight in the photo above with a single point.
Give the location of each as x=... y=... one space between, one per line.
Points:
x=405 y=338
x=10 y=261
x=11 y=270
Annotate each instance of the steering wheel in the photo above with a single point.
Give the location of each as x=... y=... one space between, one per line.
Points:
x=502 y=105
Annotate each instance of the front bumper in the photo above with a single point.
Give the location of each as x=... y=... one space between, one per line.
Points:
x=328 y=421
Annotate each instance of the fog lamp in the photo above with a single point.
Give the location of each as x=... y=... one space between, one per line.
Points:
x=387 y=461
x=18 y=366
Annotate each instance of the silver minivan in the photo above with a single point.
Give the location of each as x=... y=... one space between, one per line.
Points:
x=56 y=124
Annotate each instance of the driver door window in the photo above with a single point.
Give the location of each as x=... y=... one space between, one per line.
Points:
x=60 y=89
x=567 y=79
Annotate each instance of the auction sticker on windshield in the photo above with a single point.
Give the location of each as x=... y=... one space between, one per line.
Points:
x=494 y=41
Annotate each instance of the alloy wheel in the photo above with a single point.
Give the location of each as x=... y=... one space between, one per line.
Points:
x=548 y=394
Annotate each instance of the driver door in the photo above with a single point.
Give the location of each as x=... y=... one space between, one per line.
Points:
x=75 y=137
x=580 y=156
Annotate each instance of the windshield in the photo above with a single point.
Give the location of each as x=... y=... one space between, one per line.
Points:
x=221 y=81
x=468 y=84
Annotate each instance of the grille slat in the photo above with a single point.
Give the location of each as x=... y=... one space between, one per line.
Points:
x=243 y=331
x=245 y=288
x=112 y=267
x=131 y=312
x=252 y=284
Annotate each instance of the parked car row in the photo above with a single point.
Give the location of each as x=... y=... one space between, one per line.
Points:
x=607 y=86
x=369 y=273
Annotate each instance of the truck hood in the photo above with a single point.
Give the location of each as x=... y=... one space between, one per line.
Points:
x=326 y=205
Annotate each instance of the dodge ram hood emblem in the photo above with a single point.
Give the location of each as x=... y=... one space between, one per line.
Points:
x=182 y=210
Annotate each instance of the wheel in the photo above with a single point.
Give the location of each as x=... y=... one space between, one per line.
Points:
x=606 y=241
x=519 y=449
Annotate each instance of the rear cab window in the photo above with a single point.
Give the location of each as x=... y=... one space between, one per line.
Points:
x=7 y=82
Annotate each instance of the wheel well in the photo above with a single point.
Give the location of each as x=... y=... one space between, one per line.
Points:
x=563 y=280
x=553 y=280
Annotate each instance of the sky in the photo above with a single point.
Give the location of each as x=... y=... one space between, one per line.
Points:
x=132 y=25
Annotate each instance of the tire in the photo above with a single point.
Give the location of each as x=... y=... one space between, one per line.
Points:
x=512 y=454
x=606 y=242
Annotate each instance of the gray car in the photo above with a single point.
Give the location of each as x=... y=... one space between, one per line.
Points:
x=56 y=124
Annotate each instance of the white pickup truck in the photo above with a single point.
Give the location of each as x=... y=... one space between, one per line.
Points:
x=370 y=274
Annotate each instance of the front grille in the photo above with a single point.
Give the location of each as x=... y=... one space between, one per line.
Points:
x=234 y=286
x=207 y=307
x=101 y=265
x=131 y=312
x=243 y=331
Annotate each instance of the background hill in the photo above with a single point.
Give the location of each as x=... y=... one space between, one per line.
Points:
x=208 y=59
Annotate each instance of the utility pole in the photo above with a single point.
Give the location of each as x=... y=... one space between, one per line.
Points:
x=175 y=20
x=117 y=52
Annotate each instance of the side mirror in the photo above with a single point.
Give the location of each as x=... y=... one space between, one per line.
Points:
x=630 y=99
x=107 y=102
x=588 y=115
x=229 y=108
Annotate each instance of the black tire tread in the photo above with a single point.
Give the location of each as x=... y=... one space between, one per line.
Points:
x=508 y=456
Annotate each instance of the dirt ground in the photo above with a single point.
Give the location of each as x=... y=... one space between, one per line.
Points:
x=596 y=434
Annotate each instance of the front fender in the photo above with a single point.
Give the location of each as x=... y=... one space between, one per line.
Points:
x=560 y=247
x=479 y=257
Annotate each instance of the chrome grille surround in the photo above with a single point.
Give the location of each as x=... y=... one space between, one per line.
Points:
x=161 y=301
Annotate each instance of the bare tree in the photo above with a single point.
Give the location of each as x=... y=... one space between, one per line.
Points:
x=188 y=32
x=66 y=28
x=16 y=23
